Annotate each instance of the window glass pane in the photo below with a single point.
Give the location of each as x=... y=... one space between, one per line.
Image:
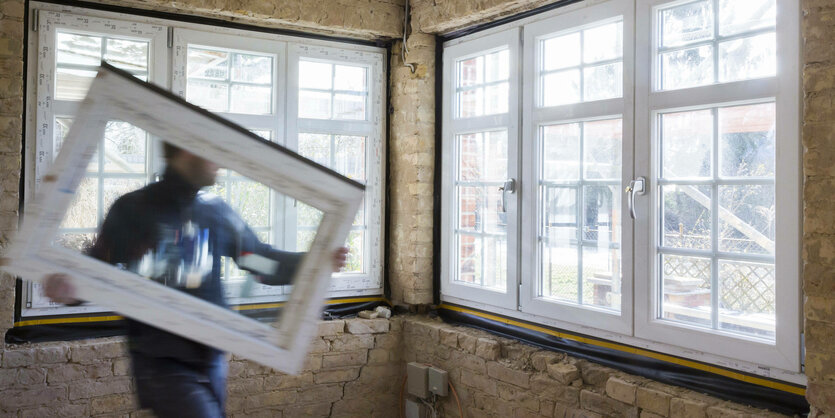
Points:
x=72 y=84
x=252 y=201
x=60 y=131
x=481 y=231
x=601 y=246
x=355 y=244
x=561 y=52
x=471 y=103
x=497 y=66
x=737 y=16
x=350 y=156
x=747 y=140
x=127 y=54
x=603 y=82
x=687 y=68
x=747 y=223
x=316 y=147
x=471 y=72
x=350 y=78
x=603 y=43
x=496 y=99
x=210 y=95
x=580 y=252
x=481 y=88
x=687 y=23
x=686 y=289
x=75 y=241
x=748 y=58
x=747 y=298
x=470 y=204
x=346 y=155
x=77 y=49
x=207 y=63
x=479 y=161
x=314 y=104
x=561 y=152
x=561 y=88
x=558 y=244
x=124 y=148
x=253 y=100
x=686 y=143
x=349 y=106
x=251 y=68
x=315 y=75
x=83 y=211
x=686 y=216
x=602 y=147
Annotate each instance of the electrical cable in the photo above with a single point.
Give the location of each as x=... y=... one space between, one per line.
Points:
x=402 y=388
x=458 y=401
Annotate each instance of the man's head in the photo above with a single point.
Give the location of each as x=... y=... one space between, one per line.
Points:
x=195 y=170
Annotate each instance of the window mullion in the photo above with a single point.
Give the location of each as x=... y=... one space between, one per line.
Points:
x=714 y=223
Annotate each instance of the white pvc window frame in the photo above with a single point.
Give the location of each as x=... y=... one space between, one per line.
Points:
x=116 y=95
x=49 y=108
x=347 y=283
x=537 y=117
x=274 y=122
x=453 y=126
x=45 y=17
x=783 y=89
x=729 y=352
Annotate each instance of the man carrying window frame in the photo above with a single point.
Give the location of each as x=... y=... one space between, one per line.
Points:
x=172 y=233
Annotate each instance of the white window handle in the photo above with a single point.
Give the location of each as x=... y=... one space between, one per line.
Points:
x=509 y=186
x=635 y=186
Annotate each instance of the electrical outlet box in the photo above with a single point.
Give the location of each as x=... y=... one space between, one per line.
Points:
x=417 y=380
x=438 y=382
x=414 y=409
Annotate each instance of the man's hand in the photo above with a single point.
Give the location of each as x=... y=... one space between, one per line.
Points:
x=59 y=289
x=339 y=258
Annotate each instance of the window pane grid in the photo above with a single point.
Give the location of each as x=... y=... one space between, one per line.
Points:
x=346 y=155
x=716 y=243
x=78 y=56
x=480 y=230
x=332 y=91
x=710 y=41
x=581 y=66
x=225 y=80
x=579 y=235
x=482 y=84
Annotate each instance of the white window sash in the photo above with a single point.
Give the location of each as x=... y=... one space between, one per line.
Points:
x=161 y=67
x=453 y=126
x=784 y=89
x=372 y=129
x=568 y=314
x=274 y=122
x=40 y=156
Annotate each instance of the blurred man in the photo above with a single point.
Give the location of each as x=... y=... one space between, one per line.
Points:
x=172 y=233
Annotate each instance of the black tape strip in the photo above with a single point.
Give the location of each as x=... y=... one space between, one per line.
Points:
x=110 y=328
x=674 y=374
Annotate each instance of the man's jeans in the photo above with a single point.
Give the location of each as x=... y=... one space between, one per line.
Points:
x=174 y=389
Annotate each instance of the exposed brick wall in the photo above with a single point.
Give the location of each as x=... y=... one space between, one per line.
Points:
x=350 y=372
x=818 y=29
x=499 y=377
x=365 y=19
x=433 y=16
x=411 y=168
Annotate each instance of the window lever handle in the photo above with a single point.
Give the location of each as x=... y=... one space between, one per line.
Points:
x=635 y=186
x=509 y=186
